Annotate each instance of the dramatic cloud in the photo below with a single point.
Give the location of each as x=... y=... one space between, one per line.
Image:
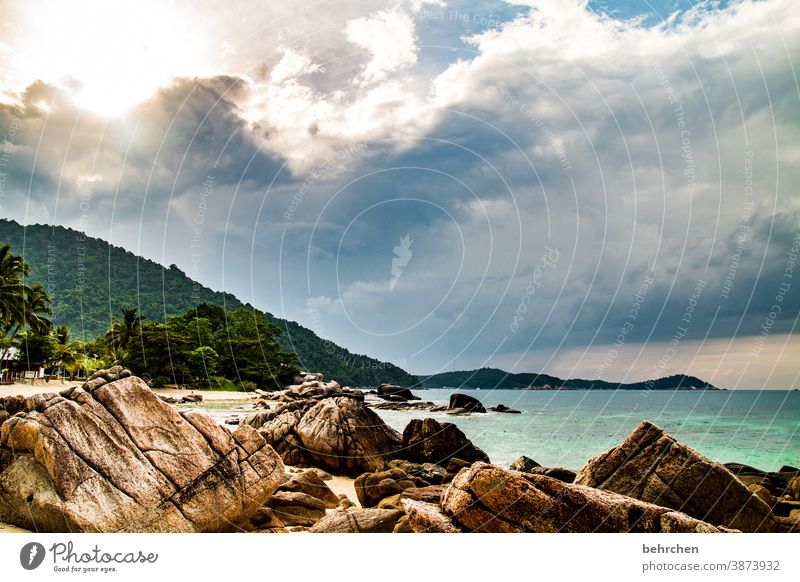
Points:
x=579 y=189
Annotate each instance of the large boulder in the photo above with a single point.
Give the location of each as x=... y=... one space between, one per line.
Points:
x=652 y=466
x=310 y=483
x=340 y=435
x=487 y=498
x=372 y=487
x=430 y=441
x=428 y=472
x=395 y=393
x=110 y=456
x=294 y=508
x=12 y=404
x=358 y=521
x=465 y=403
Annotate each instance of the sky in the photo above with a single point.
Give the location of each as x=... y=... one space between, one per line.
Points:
x=587 y=189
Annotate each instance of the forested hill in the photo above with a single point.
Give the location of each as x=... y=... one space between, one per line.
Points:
x=492 y=378
x=91 y=280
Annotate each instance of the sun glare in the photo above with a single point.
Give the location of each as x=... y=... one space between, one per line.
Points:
x=119 y=52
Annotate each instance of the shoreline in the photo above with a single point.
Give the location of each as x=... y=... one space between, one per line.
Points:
x=56 y=386
x=354 y=405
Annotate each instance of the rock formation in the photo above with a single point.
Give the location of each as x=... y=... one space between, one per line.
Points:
x=460 y=403
x=110 y=456
x=338 y=434
x=487 y=498
x=395 y=393
x=430 y=441
x=358 y=521
x=652 y=466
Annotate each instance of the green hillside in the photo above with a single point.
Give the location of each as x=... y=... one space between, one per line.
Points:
x=492 y=378
x=91 y=280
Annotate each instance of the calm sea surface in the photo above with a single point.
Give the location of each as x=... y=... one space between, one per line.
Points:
x=565 y=428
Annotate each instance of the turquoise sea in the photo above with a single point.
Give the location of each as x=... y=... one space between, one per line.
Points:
x=565 y=428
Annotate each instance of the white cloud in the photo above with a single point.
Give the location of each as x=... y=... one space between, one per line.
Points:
x=292 y=65
x=389 y=37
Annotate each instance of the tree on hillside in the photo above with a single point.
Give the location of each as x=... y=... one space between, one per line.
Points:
x=162 y=355
x=124 y=330
x=248 y=350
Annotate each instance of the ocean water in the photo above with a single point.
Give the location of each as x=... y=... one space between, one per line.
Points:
x=565 y=428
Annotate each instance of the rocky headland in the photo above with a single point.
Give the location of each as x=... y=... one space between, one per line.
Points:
x=113 y=456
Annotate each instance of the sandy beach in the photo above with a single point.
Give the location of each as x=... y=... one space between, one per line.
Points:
x=40 y=386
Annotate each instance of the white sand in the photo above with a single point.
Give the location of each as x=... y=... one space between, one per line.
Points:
x=7 y=528
x=40 y=386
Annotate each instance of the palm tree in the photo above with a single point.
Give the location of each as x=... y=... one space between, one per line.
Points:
x=122 y=332
x=20 y=305
x=131 y=324
x=36 y=308
x=66 y=352
x=12 y=270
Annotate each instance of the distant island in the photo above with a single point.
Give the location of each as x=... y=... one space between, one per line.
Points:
x=496 y=379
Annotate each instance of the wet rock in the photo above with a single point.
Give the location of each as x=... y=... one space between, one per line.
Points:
x=465 y=402
x=410 y=405
x=487 y=498
x=652 y=466
x=395 y=393
x=505 y=409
